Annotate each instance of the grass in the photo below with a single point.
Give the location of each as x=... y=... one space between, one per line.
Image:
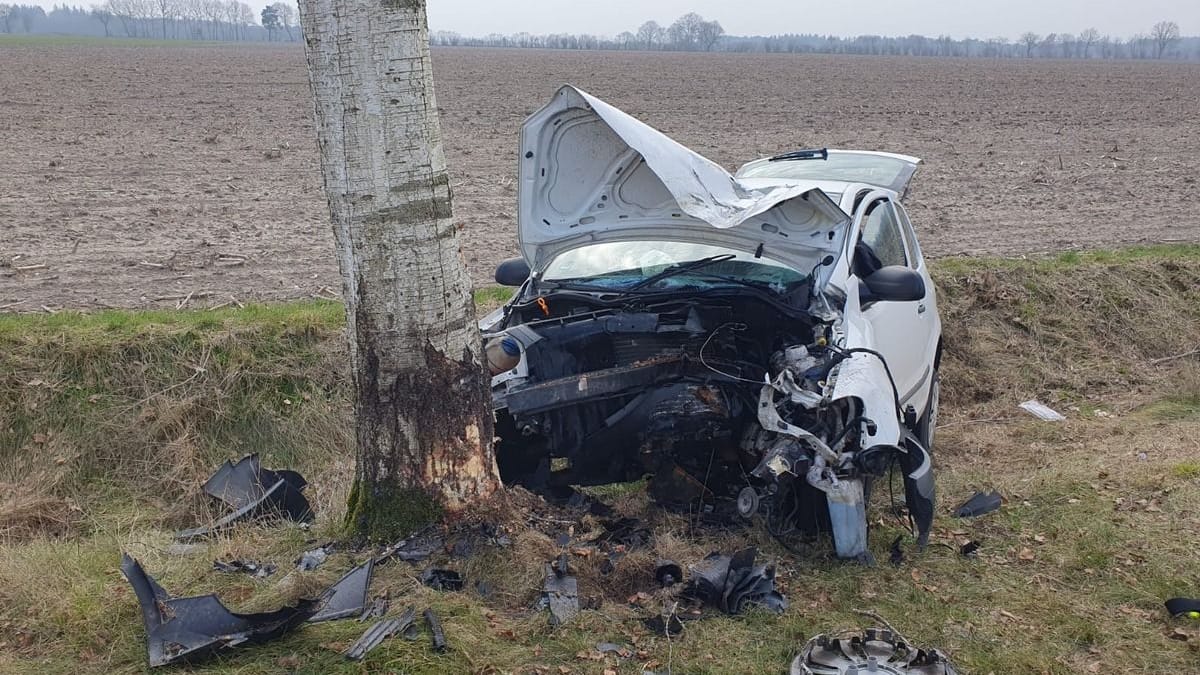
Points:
x=109 y=422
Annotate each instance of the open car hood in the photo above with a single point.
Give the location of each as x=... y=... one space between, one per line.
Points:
x=591 y=173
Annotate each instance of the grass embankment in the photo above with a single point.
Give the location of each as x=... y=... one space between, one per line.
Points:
x=109 y=422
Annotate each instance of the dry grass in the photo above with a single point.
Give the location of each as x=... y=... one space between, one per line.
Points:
x=1097 y=530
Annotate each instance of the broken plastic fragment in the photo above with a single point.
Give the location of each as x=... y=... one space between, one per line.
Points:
x=1042 y=411
x=435 y=629
x=872 y=651
x=348 y=596
x=188 y=629
x=311 y=560
x=254 y=493
x=561 y=594
x=668 y=573
x=1184 y=607
x=378 y=632
x=979 y=504
x=733 y=583
x=442 y=580
x=256 y=570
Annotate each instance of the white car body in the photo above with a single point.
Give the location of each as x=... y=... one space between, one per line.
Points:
x=590 y=174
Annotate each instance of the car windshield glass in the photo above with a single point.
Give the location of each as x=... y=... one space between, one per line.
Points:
x=881 y=170
x=624 y=264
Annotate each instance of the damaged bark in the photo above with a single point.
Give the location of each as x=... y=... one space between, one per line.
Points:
x=424 y=421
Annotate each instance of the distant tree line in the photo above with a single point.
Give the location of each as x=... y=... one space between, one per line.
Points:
x=235 y=20
x=692 y=32
x=161 y=19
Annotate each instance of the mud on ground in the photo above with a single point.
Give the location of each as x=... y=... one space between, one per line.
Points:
x=187 y=176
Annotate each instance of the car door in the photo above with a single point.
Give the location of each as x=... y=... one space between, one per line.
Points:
x=904 y=332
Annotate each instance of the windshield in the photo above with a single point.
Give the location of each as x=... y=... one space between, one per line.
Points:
x=624 y=264
x=853 y=167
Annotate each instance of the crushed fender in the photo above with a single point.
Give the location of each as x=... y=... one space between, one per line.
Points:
x=981 y=503
x=874 y=650
x=732 y=583
x=378 y=632
x=348 y=596
x=378 y=608
x=188 y=629
x=254 y=493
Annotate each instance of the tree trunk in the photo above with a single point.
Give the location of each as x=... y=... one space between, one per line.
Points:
x=422 y=405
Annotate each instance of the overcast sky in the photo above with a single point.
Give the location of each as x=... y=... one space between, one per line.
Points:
x=959 y=18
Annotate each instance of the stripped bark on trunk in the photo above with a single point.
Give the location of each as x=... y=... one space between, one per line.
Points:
x=423 y=410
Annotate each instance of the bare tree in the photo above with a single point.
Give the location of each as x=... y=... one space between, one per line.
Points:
x=708 y=33
x=651 y=35
x=422 y=405
x=1030 y=40
x=1165 y=34
x=287 y=17
x=166 y=10
x=7 y=16
x=270 y=20
x=685 y=32
x=101 y=14
x=1088 y=38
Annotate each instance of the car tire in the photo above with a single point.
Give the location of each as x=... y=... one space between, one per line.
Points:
x=927 y=425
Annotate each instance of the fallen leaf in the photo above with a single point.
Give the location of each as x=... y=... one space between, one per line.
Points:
x=1026 y=554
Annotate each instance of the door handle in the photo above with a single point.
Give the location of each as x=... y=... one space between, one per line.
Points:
x=920 y=309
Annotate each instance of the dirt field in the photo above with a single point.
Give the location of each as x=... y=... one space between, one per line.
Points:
x=188 y=176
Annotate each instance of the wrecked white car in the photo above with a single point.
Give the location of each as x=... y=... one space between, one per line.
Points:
x=766 y=342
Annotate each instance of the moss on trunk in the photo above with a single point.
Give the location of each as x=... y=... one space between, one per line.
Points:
x=390 y=514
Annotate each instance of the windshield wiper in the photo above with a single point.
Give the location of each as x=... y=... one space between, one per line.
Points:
x=677 y=269
x=798 y=155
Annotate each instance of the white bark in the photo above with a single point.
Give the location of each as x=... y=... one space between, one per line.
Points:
x=409 y=306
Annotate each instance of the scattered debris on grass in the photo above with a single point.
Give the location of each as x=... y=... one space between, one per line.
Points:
x=980 y=503
x=668 y=573
x=442 y=580
x=254 y=493
x=874 y=650
x=731 y=583
x=311 y=560
x=1042 y=411
x=348 y=596
x=435 y=630
x=1184 y=608
x=186 y=629
x=380 y=631
x=560 y=593
x=254 y=569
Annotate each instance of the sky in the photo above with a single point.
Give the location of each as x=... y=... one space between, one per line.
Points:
x=958 y=18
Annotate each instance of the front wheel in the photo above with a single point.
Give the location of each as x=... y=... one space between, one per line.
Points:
x=927 y=425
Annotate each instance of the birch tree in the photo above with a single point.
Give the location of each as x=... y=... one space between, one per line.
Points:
x=422 y=405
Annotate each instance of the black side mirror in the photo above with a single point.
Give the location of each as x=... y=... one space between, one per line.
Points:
x=892 y=284
x=512 y=272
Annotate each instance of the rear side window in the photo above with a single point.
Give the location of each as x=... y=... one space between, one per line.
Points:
x=881 y=232
x=914 y=249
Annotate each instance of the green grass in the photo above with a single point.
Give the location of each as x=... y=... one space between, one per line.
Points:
x=109 y=421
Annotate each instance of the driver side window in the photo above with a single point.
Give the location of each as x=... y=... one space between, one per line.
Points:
x=881 y=232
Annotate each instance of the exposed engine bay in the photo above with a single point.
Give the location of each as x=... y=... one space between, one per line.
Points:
x=724 y=397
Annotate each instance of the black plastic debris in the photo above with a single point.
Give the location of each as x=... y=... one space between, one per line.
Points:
x=256 y=570
x=970 y=549
x=188 y=629
x=979 y=504
x=377 y=609
x=254 y=493
x=1184 y=607
x=627 y=532
x=896 y=556
x=435 y=629
x=378 y=632
x=560 y=594
x=668 y=573
x=413 y=549
x=664 y=625
x=871 y=651
x=348 y=596
x=442 y=580
x=731 y=583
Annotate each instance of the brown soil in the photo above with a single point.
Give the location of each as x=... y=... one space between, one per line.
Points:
x=188 y=176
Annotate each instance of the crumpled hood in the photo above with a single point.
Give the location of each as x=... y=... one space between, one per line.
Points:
x=590 y=173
